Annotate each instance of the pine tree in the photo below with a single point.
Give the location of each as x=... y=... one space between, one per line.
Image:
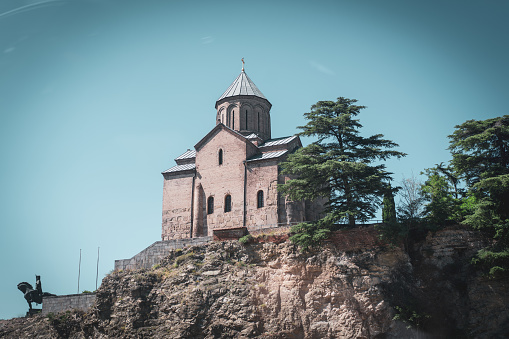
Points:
x=339 y=166
x=480 y=150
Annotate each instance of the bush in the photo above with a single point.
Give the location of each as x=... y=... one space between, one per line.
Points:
x=246 y=239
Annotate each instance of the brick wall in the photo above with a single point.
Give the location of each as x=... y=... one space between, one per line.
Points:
x=258 y=115
x=153 y=254
x=67 y=302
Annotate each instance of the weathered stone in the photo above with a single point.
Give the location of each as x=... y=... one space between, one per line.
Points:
x=274 y=291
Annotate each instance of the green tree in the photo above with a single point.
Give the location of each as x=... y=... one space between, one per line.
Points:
x=442 y=206
x=339 y=166
x=389 y=207
x=391 y=230
x=480 y=150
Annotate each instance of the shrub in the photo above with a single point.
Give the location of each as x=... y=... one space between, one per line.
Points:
x=246 y=239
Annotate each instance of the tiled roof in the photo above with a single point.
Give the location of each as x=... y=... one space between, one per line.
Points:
x=180 y=168
x=278 y=141
x=268 y=155
x=189 y=154
x=242 y=86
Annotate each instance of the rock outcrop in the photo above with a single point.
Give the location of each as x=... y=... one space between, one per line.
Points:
x=269 y=290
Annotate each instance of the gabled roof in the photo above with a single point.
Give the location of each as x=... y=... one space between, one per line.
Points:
x=242 y=86
x=216 y=129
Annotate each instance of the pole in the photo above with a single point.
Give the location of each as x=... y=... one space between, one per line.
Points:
x=97 y=272
x=79 y=272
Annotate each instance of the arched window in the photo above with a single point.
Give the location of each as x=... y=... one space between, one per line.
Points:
x=220 y=157
x=259 y=199
x=210 y=205
x=228 y=203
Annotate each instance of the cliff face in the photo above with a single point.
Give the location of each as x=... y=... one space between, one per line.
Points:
x=230 y=290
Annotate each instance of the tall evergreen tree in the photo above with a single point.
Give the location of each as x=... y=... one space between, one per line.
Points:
x=390 y=229
x=339 y=166
x=389 y=207
x=480 y=150
x=442 y=206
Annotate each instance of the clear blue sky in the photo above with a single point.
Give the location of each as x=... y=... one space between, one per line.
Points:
x=97 y=97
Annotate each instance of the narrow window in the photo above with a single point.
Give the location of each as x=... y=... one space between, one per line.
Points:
x=233 y=120
x=259 y=199
x=246 y=119
x=258 y=114
x=210 y=205
x=220 y=157
x=228 y=203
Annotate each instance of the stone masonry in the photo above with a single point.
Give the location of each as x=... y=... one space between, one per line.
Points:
x=230 y=179
x=67 y=302
x=153 y=254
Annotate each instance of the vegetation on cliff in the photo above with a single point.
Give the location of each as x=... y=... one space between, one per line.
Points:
x=345 y=168
x=341 y=166
x=352 y=287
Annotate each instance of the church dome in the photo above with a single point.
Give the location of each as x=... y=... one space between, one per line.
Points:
x=241 y=86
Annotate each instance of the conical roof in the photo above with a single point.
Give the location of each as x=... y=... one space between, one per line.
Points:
x=242 y=86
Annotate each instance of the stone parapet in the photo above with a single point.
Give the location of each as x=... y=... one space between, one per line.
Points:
x=153 y=254
x=229 y=233
x=61 y=303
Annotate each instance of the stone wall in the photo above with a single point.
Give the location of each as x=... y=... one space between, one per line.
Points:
x=229 y=234
x=177 y=198
x=219 y=180
x=262 y=176
x=61 y=303
x=153 y=254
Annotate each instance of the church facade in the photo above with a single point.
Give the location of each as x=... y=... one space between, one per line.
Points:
x=230 y=178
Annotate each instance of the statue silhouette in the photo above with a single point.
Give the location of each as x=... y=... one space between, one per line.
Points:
x=31 y=295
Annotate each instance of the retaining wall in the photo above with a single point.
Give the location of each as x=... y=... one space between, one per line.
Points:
x=61 y=303
x=229 y=233
x=153 y=254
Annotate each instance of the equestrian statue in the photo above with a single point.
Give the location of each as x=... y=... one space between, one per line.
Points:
x=31 y=295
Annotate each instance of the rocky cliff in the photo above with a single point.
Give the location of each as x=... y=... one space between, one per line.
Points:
x=354 y=287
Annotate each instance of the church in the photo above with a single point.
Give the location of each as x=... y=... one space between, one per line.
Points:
x=230 y=178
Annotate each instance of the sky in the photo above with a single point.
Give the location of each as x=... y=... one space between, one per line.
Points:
x=97 y=97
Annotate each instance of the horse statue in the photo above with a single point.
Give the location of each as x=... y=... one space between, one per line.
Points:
x=31 y=295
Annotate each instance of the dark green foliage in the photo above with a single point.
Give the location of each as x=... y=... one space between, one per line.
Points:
x=309 y=234
x=480 y=151
x=246 y=239
x=411 y=317
x=389 y=207
x=391 y=230
x=442 y=207
x=339 y=167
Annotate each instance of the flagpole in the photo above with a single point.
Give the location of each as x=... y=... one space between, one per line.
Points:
x=97 y=271
x=79 y=272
